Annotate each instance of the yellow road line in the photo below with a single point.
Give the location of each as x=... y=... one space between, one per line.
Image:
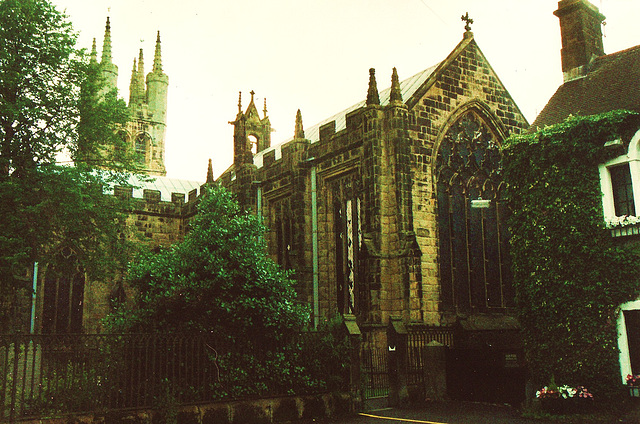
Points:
x=401 y=419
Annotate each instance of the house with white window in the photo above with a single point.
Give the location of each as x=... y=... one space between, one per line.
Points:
x=594 y=83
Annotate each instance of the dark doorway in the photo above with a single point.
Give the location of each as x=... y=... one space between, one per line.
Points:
x=63 y=294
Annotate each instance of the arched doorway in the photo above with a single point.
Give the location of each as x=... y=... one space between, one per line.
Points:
x=63 y=294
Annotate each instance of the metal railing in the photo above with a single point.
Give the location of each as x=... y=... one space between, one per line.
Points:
x=418 y=338
x=48 y=374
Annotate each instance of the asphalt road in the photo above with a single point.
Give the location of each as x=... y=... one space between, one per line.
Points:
x=440 y=413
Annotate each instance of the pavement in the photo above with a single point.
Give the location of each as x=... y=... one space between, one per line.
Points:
x=470 y=413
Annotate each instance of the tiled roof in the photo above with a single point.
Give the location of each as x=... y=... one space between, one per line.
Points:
x=408 y=87
x=612 y=82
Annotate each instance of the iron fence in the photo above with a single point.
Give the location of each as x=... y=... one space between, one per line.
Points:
x=47 y=374
x=418 y=338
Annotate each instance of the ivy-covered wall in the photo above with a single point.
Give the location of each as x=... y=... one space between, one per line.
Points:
x=569 y=274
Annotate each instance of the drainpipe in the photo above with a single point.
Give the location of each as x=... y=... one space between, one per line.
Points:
x=258 y=185
x=33 y=297
x=314 y=244
x=314 y=238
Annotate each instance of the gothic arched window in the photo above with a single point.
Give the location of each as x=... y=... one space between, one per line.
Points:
x=347 y=222
x=474 y=262
x=141 y=146
x=63 y=294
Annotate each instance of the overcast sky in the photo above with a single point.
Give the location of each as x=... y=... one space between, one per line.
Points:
x=315 y=55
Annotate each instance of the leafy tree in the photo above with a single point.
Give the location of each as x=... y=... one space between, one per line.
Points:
x=219 y=280
x=52 y=99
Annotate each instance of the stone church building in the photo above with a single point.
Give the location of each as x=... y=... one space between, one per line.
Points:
x=393 y=206
x=390 y=208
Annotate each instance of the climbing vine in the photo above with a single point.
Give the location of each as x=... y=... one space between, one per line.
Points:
x=570 y=275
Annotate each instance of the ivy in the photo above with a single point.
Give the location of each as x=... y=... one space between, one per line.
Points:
x=570 y=275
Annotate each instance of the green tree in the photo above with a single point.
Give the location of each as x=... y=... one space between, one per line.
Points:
x=219 y=279
x=51 y=100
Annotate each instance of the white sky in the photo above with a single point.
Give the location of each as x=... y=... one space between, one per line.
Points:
x=315 y=55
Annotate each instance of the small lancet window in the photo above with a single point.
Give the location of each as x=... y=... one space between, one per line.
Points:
x=622 y=188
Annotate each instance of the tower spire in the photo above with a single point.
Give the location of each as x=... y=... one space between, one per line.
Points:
x=109 y=69
x=133 y=84
x=299 y=130
x=239 y=101
x=265 y=108
x=94 y=52
x=372 y=93
x=106 y=45
x=141 y=63
x=396 y=93
x=157 y=57
x=140 y=86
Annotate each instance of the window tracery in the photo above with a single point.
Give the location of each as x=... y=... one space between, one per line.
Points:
x=474 y=264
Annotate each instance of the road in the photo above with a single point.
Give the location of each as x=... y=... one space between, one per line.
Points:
x=440 y=413
x=478 y=413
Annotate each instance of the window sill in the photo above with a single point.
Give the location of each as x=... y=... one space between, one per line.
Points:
x=621 y=226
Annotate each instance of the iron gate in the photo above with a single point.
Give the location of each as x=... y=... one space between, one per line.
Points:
x=375 y=369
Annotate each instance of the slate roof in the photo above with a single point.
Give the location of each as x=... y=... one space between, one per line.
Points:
x=408 y=87
x=164 y=185
x=612 y=82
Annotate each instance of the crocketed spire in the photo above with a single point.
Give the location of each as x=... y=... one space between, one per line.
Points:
x=395 y=97
x=132 y=82
x=94 y=52
x=372 y=94
x=157 y=57
x=106 y=45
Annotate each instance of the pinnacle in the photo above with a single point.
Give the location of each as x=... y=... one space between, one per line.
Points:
x=210 y=172
x=372 y=93
x=396 y=92
x=299 y=130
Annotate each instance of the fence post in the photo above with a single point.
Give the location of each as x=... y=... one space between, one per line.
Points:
x=397 y=340
x=435 y=374
x=14 y=383
x=355 y=345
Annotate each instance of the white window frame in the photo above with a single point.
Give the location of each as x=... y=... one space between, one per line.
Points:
x=623 y=340
x=632 y=157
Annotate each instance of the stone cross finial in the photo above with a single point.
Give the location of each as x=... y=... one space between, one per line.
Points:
x=468 y=21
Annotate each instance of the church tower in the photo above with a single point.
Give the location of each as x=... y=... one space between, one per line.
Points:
x=147 y=105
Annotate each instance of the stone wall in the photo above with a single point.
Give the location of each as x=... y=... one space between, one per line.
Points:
x=262 y=411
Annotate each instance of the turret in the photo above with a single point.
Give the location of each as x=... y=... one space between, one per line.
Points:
x=157 y=84
x=251 y=134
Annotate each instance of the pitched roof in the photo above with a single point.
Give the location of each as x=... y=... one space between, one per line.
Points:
x=612 y=82
x=408 y=87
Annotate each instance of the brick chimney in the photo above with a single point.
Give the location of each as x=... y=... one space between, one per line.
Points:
x=581 y=31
